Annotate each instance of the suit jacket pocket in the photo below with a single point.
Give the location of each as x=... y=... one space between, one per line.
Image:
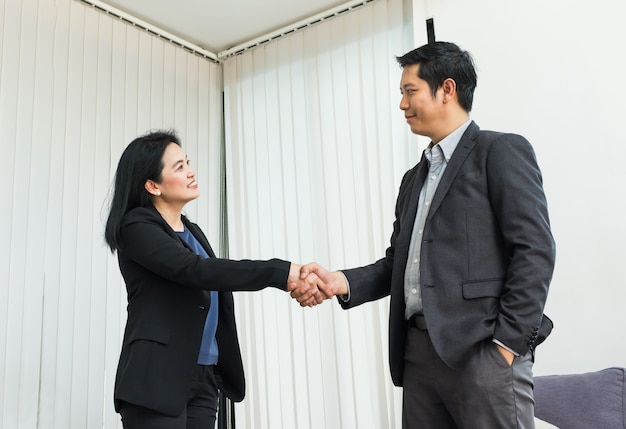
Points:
x=472 y=174
x=482 y=288
x=155 y=333
x=145 y=371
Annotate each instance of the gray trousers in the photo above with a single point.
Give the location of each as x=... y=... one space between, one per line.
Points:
x=486 y=394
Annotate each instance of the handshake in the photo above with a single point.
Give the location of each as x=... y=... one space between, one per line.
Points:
x=311 y=284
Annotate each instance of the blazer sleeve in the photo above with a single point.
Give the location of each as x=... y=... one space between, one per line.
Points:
x=519 y=203
x=146 y=242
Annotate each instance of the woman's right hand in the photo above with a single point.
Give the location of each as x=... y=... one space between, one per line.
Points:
x=307 y=290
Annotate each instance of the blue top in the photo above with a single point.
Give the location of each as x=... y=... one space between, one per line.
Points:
x=208 y=349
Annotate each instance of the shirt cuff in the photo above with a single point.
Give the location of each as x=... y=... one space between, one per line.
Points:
x=502 y=345
x=345 y=298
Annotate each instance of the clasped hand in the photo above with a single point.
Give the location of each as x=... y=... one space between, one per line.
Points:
x=311 y=284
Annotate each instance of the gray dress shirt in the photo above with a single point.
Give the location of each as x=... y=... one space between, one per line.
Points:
x=437 y=156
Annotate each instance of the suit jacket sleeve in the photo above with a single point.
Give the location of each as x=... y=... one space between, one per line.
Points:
x=149 y=242
x=519 y=204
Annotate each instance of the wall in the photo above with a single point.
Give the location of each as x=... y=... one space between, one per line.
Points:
x=552 y=71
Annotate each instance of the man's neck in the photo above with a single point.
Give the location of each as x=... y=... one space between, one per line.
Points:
x=448 y=125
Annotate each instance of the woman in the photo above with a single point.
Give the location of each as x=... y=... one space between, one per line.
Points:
x=180 y=344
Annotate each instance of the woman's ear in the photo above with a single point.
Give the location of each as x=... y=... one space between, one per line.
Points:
x=152 y=187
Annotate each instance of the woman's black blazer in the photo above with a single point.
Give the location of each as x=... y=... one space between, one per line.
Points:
x=168 y=299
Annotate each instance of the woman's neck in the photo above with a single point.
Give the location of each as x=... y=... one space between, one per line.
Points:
x=172 y=215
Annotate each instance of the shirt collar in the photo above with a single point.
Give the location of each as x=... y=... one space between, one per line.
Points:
x=451 y=141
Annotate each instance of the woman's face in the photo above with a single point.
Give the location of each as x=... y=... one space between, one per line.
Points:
x=178 y=184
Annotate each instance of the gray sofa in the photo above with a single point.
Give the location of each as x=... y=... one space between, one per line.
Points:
x=593 y=400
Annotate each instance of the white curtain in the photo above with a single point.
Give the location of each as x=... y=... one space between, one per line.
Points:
x=316 y=147
x=76 y=86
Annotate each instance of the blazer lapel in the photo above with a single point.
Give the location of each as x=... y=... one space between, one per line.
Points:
x=411 y=211
x=195 y=230
x=463 y=149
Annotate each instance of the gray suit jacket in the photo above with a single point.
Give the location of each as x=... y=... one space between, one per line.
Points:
x=487 y=254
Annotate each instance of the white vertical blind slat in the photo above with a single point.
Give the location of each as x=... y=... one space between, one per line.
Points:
x=41 y=124
x=7 y=169
x=23 y=304
x=101 y=136
x=157 y=100
x=115 y=291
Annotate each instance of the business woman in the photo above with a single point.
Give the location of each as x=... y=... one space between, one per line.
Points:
x=180 y=344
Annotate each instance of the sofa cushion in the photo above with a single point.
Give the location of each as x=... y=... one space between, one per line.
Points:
x=582 y=401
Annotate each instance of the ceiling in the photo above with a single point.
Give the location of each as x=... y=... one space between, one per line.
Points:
x=218 y=25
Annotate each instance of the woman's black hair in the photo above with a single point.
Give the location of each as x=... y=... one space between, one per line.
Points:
x=141 y=161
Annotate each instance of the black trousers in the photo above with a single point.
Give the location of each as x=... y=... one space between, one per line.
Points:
x=200 y=412
x=486 y=393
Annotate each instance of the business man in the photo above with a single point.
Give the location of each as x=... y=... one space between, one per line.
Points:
x=470 y=259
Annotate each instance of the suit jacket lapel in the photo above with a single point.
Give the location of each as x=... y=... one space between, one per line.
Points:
x=463 y=149
x=415 y=189
x=195 y=230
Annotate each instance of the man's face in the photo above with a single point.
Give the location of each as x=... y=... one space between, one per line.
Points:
x=422 y=111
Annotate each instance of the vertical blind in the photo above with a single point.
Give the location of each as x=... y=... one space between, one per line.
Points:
x=76 y=86
x=315 y=150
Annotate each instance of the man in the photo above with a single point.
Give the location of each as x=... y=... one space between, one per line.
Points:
x=469 y=263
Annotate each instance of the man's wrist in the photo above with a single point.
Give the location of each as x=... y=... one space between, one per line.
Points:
x=345 y=297
x=498 y=342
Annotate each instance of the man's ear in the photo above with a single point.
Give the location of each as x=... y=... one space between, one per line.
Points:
x=152 y=187
x=449 y=90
